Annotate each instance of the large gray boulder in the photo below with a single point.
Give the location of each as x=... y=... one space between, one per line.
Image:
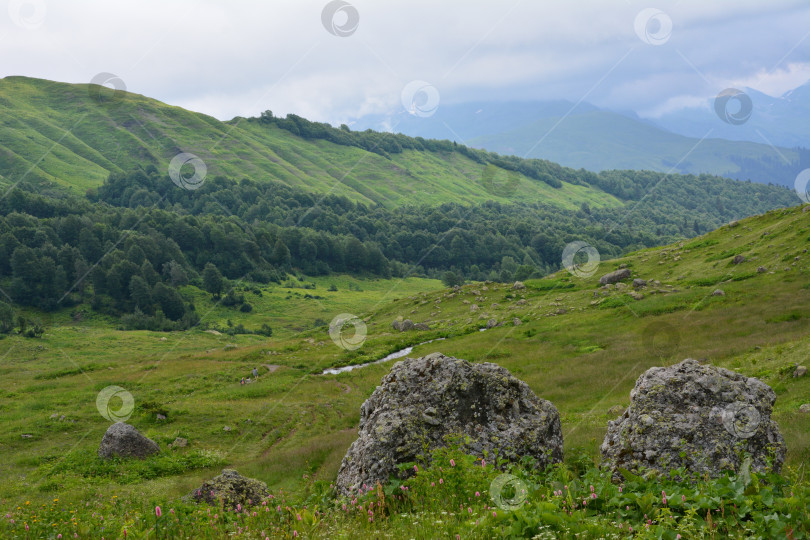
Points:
x=699 y=417
x=422 y=401
x=230 y=489
x=615 y=277
x=123 y=440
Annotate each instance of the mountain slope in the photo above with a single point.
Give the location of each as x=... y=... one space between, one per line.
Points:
x=584 y=136
x=781 y=121
x=56 y=132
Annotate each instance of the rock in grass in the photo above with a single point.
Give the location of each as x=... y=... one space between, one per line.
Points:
x=800 y=371
x=614 y=277
x=718 y=292
x=698 y=417
x=123 y=440
x=422 y=401
x=738 y=259
x=230 y=489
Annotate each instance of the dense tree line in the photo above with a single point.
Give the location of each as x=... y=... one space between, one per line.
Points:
x=130 y=247
x=777 y=169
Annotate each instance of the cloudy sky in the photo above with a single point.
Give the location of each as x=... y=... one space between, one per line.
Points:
x=334 y=62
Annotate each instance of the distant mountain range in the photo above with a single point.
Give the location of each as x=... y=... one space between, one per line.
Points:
x=781 y=121
x=582 y=135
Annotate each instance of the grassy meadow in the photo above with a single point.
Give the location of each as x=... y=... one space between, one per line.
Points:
x=576 y=345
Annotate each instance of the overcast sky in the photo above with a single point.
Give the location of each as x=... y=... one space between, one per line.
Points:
x=237 y=57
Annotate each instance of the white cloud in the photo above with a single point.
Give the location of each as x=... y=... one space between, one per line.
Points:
x=239 y=58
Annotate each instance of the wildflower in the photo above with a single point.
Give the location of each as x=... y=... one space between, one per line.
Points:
x=683 y=498
x=483 y=463
x=433 y=484
x=452 y=463
x=593 y=495
x=620 y=489
x=415 y=468
x=441 y=480
x=494 y=514
x=477 y=494
x=158 y=513
x=239 y=507
x=298 y=516
x=591 y=489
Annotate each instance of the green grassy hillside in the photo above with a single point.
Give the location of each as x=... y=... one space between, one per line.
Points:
x=577 y=345
x=56 y=132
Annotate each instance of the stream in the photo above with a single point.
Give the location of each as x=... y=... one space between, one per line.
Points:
x=399 y=354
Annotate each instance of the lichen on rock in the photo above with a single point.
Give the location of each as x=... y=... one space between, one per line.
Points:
x=424 y=403
x=699 y=417
x=230 y=489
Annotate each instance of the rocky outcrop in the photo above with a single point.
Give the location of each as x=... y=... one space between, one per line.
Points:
x=694 y=416
x=615 y=276
x=230 y=489
x=123 y=440
x=424 y=401
x=407 y=324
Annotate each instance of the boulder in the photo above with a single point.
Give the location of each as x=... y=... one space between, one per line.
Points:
x=123 y=440
x=738 y=259
x=694 y=416
x=516 y=322
x=406 y=325
x=800 y=371
x=492 y=323
x=639 y=283
x=421 y=326
x=232 y=489
x=397 y=325
x=474 y=307
x=718 y=292
x=805 y=408
x=615 y=276
x=179 y=442
x=519 y=285
x=761 y=269
x=423 y=401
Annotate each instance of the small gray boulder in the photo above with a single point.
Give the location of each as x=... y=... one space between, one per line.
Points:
x=123 y=440
x=231 y=489
x=615 y=276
